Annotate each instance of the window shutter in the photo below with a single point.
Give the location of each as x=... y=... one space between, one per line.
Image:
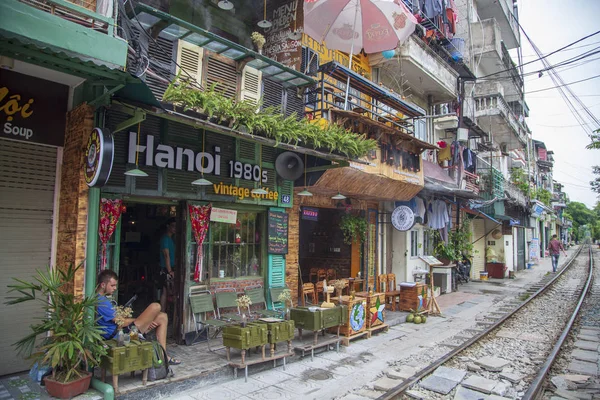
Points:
x=160 y=51
x=189 y=60
x=273 y=94
x=276 y=272
x=222 y=72
x=251 y=85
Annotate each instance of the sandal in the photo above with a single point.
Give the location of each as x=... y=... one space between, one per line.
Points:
x=174 y=361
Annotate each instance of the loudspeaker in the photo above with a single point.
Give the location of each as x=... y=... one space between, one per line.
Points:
x=289 y=166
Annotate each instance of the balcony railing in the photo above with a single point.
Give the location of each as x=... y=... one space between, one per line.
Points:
x=515 y=193
x=511 y=67
x=471 y=180
x=82 y=12
x=496 y=101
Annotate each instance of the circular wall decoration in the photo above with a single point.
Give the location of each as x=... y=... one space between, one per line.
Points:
x=496 y=234
x=403 y=218
x=99 y=155
x=357 y=317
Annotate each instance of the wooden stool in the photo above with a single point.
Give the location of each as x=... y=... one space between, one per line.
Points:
x=321 y=274
x=392 y=295
x=319 y=289
x=308 y=289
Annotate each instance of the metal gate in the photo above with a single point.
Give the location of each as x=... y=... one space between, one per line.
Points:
x=26 y=206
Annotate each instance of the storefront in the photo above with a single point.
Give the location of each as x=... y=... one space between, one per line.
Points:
x=231 y=224
x=32 y=119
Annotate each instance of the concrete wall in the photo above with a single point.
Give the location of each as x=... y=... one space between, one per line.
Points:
x=486 y=37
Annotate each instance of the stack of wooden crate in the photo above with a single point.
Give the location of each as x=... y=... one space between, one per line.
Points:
x=409 y=296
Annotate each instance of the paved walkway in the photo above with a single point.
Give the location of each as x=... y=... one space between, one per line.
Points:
x=344 y=375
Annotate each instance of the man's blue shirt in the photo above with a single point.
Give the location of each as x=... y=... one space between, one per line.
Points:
x=106 y=315
x=166 y=242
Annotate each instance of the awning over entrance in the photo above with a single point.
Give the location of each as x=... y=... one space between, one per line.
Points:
x=357 y=183
x=178 y=29
x=481 y=214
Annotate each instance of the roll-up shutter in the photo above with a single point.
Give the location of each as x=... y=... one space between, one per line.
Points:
x=478 y=247
x=27 y=187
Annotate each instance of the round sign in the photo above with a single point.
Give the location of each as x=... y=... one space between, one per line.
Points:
x=403 y=218
x=99 y=155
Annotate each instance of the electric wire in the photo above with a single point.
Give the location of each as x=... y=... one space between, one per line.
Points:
x=564 y=84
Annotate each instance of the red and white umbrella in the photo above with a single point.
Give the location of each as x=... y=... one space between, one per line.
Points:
x=351 y=25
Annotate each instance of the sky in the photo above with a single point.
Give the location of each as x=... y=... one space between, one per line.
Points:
x=552 y=24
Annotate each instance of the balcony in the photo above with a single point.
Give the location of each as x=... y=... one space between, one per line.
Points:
x=63 y=36
x=494 y=116
x=422 y=69
x=494 y=57
x=514 y=194
x=502 y=11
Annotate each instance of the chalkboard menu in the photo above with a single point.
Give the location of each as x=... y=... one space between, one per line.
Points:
x=278 y=233
x=285 y=16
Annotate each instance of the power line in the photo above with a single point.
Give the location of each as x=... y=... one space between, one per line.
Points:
x=572 y=48
x=540 y=56
x=564 y=84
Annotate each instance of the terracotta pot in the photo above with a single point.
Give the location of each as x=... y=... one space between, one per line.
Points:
x=68 y=390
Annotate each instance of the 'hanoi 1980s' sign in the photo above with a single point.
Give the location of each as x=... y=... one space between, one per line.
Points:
x=165 y=156
x=32 y=109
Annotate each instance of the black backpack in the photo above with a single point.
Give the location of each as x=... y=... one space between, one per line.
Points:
x=160 y=363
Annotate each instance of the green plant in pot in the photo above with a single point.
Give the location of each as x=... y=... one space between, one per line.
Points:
x=459 y=245
x=67 y=337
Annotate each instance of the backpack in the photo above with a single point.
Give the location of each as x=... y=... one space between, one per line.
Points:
x=160 y=363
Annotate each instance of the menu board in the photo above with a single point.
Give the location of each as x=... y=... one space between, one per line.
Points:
x=431 y=260
x=278 y=233
x=285 y=16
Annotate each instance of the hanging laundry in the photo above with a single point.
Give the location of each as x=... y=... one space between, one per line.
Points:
x=444 y=234
x=445 y=154
x=420 y=208
x=432 y=8
x=452 y=15
x=439 y=214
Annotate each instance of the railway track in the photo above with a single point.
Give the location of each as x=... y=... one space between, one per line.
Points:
x=513 y=354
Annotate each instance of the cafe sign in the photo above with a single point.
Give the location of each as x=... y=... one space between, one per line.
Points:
x=99 y=156
x=32 y=109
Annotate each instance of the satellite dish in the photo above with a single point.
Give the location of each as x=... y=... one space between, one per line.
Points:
x=289 y=166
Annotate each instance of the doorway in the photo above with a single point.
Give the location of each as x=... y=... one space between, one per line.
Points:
x=138 y=253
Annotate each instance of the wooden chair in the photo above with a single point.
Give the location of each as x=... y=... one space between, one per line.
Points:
x=312 y=275
x=308 y=289
x=319 y=289
x=331 y=274
x=321 y=274
x=392 y=294
x=382 y=281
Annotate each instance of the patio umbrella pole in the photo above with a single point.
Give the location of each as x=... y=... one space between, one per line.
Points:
x=351 y=51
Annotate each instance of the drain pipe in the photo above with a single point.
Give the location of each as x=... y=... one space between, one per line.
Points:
x=91 y=260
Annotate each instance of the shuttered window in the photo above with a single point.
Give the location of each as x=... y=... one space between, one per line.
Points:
x=160 y=51
x=189 y=60
x=222 y=72
x=251 y=85
x=272 y=94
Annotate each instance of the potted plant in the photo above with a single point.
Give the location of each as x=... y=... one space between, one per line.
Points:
x=459 y=245
x=72 y=341
x=259 y=41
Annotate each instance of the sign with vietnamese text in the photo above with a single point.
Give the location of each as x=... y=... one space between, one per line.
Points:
x=277 y=242
x=32 y=109
x=223 y=215
x=310 y=214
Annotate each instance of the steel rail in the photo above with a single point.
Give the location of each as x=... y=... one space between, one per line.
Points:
x=537 y=383
x=397 y=390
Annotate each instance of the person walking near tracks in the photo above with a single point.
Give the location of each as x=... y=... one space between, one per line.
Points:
x=554 y=248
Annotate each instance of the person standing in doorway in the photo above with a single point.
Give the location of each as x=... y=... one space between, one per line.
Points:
x=167 y=261
x=554 y=248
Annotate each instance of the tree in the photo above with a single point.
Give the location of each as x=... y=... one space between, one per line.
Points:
x=583 y=218
x=595 y=184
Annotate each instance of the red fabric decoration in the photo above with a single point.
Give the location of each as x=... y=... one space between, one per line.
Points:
x=442 y=144
x=200 y=217
x=110 y=212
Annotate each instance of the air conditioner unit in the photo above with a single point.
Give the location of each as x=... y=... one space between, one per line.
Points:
x=462 y=134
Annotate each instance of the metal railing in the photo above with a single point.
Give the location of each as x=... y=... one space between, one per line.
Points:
x=82 y=12
x=496 y=101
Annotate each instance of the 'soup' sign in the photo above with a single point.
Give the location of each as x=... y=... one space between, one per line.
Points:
x=32 y=109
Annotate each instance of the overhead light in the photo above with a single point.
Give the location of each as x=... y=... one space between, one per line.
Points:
x=305 y=192
x=264 y=23
x=295 y=35
x=202 y=182
x=338 y=196
x=259 y=191
x=225 y=5
x=136 y=172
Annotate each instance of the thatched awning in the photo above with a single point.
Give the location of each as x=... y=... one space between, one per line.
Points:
x=357 y=183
